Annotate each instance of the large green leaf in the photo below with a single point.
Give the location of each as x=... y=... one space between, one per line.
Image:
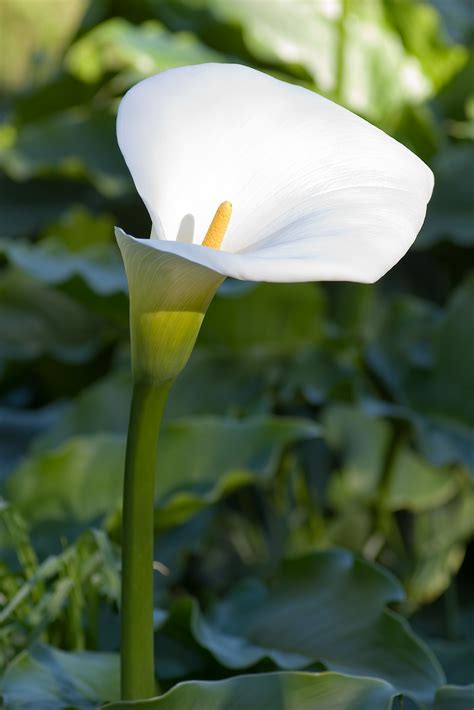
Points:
x=439 y=539
x=36 y=321
x=458 y=17
x=273 y=691
x=103 y=407
x=450 y=215
x=18 y=427
x=223 y=383
x=351 y=52
x=50 y=262
x=212 y=383
x=423 y=36
x=77 y=482
x=361 y=443
x=424 y=359
x=437 y=530
x=453 y=349
x=417 y=485
x=271 y=317
x=136 y=51
x=319 y=373
x=80 y=229
x=47 y=679
x=327 y=607
x=26 y=207
x=364 y=444
x=200 y=459
x=75 y=143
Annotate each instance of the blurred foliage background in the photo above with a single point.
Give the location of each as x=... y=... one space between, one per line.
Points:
x=331 y=425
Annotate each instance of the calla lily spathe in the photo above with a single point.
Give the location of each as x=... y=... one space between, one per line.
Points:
x=317 y=192
x=250 y=177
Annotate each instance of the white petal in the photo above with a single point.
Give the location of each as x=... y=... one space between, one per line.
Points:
x=317 y=192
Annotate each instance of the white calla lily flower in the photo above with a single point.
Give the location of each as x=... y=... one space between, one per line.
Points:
x=317 y=192
x=295 y=187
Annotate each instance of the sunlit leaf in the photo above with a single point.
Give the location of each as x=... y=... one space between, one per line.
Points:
x=119 y=46
x=350 y=50
x=421 y=29
x=417 y=485
x=433 y=573
x=200 y=459
x=34 y=38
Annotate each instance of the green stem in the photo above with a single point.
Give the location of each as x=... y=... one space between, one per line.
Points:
x=137 y=654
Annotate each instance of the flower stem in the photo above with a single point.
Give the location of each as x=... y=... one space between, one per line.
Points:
x=137 y=654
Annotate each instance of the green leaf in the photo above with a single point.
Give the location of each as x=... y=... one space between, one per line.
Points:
x=74 y=143
x=433 y=573
x=453 y=356
x=200 y=459
x=456 y=657
x=45 y=678
x=416 y=485
x=327 y=607
x=50 y=262
x=212 y=383
x=274 y=691
x=18 y=427
x=439 y=537
x=438 y=529
x=362 y=443
x=450 y=215
x=80 y=229
x=177 y=653
x=36 y=321
x=453 y=697
x=352 y=53
x=57 y=485
x=136 y=51
x=319 y=373
x=222 y=383
x=458 y=18
x=103 y=407
x=218 y=454
x=254 y=319
x=424 y=359
x=26 y=207
x=421 y=29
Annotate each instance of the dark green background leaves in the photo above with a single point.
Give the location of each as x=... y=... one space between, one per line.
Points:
x=315 y=504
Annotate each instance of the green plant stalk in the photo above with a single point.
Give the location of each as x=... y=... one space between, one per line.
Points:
x=169 y=297
x=137 y=653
